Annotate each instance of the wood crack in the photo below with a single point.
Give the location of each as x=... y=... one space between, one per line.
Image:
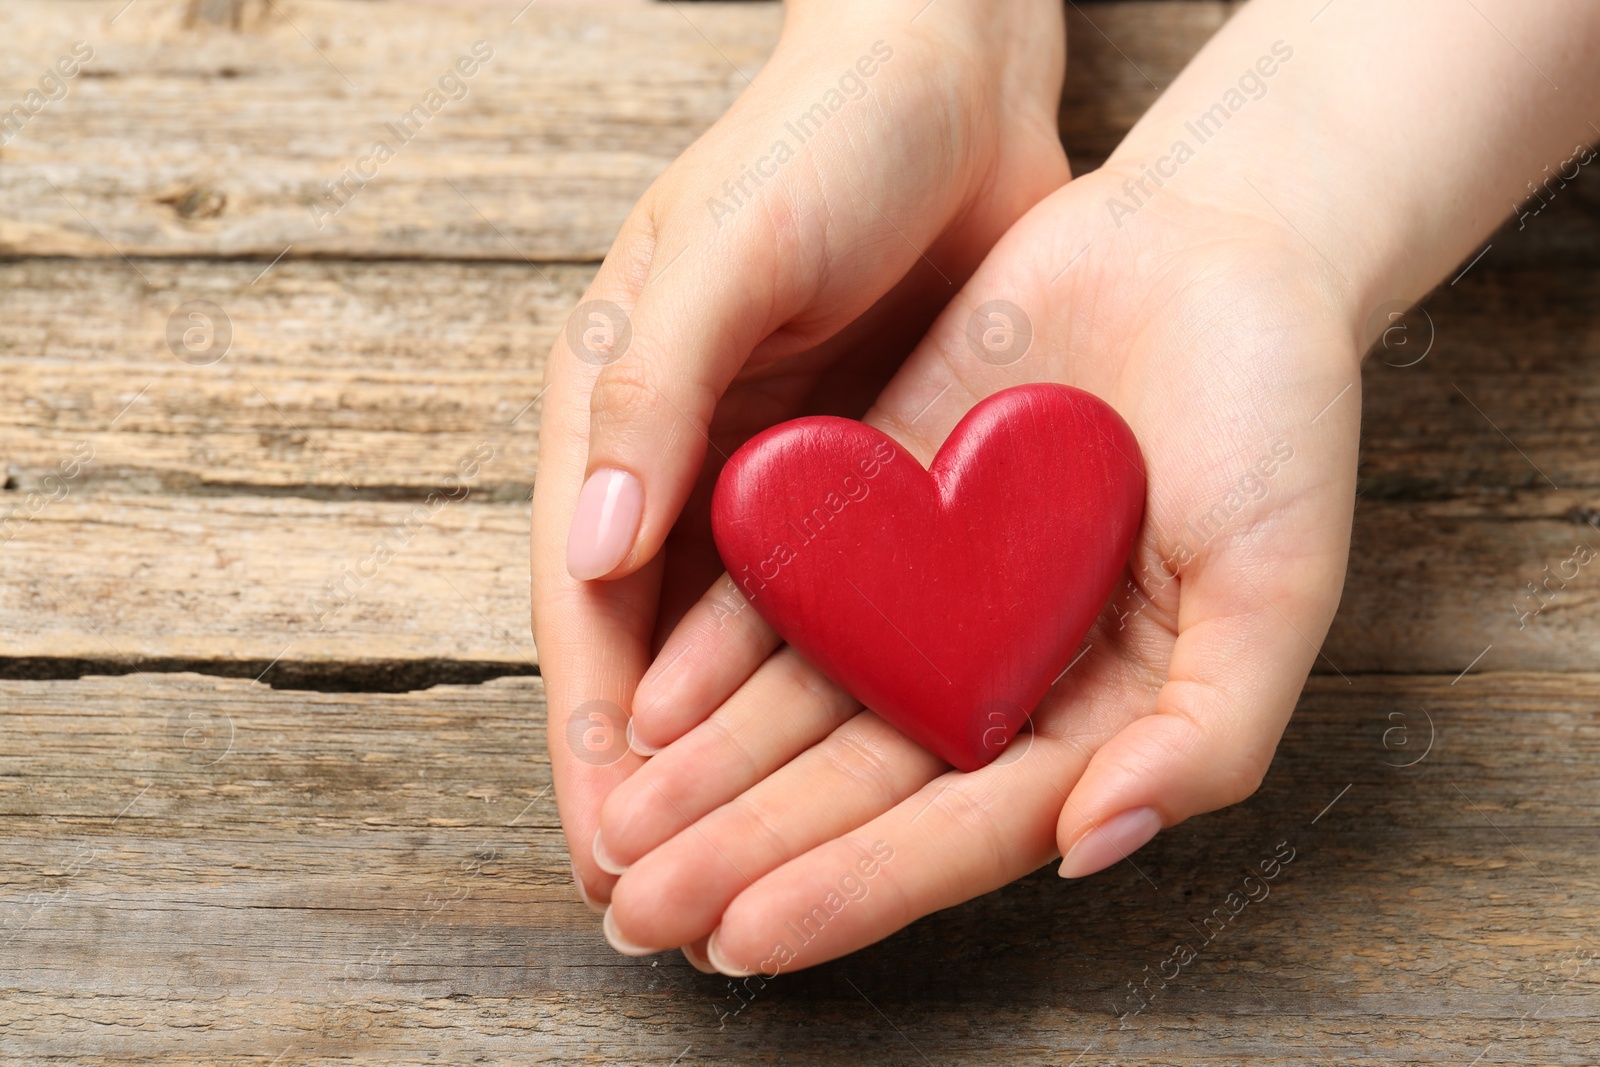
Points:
x=372 y=676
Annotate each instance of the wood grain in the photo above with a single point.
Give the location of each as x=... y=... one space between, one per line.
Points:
x=247 y=484
x=205 y=870
x=186 y=137
x=1119 y=59
x=116 y=581
x=371 y=380
x=209 y=129
x=120 y=580
x=202 y=868
x=344 y=380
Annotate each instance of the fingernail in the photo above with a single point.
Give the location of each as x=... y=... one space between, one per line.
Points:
x=603 y=859
x=605 y=524
x=697 y=961
x=715 y=958
x=1115 y=839
x=639 y=746
x=620 y=943
x=583 y=894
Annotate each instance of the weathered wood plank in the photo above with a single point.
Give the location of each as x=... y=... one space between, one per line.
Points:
x=328 y=392
x=1119 y=59
x=260 y=581
x=373 y=379
x=1491 y=385
x=182 y=136
x=1432 y=589
x=341 y=379
x=195 y=869
x=192 y=135
x=125 y=580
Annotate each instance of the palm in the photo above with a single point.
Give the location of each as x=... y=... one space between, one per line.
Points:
x=1209 y=336
x=836 y=267
x=833 y=352
x=1222 y=356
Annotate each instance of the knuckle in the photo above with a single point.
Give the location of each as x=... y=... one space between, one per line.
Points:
x=623 y=395
x=1193 y=728
x=852 y=757
x=726 y=748
x=1241 y=778
x=748 y=819
x=973 y=822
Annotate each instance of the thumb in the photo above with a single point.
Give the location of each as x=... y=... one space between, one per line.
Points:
x=659 y=371
x=782 y=281
x=1248 y=638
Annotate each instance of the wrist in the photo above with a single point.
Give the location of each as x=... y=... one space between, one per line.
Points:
x=1215 y=209
x=1389 y=170
x=999 y=37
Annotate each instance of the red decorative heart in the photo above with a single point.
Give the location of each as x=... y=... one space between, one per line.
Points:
x=946 y=600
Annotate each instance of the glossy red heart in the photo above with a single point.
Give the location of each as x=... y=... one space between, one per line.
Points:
x=946 y=600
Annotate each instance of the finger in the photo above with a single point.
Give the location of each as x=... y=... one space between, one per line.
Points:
x=636 y=818
x=701 y=647
x=785 y=708
x=677 y=892
x=719 y=643
x=593 y=638
x=1247 y=638
x=783 y=279
x=957 y=837
x=614 y=625
x=960 y=835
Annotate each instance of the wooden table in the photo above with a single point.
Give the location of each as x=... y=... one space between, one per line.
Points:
x=242 y=822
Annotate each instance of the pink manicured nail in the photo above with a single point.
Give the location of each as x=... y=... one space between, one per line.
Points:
x=605 y=524
x=697 y=961
x=602 y=858
x=620 y=943
x=715 y=958
x=583 y=894
x=637 y=745
x=1116 y=838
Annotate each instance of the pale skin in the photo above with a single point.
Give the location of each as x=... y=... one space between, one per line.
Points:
x=1223 y=313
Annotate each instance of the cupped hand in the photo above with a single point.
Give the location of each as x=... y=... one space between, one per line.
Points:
x=787 y=827
x=785 y=264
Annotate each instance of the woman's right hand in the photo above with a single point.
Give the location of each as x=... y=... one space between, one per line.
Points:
x=784 y=265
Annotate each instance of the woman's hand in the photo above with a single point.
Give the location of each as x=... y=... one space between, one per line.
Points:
x=785 y=264
x=1222 y=339
x=1215 y=282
